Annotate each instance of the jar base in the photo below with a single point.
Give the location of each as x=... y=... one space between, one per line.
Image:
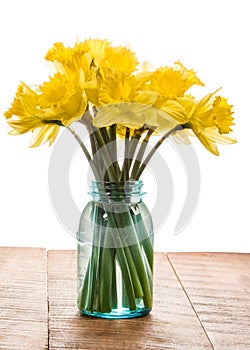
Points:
x=117 y=314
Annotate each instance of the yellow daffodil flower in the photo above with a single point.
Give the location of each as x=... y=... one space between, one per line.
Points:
x=29 y=117
x=222 y=113
x=63 y=98
x=103 y=80
x=121 y=102
x=119 y=59
x=70 y=59
x=173 y=82
x=96 y=48
x=58 y=102
x=118 y=88
x=210 y=119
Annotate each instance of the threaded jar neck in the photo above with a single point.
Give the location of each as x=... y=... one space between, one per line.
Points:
x=122 y=192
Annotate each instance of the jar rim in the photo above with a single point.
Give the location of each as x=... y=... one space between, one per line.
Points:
x=121 y=191
x=131 y=181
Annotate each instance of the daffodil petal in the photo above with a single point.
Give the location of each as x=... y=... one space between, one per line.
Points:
x=44 y=134
x=210 y=145
x=132 y=115
x=146 y=97
x=215 y=136
x=175 y=110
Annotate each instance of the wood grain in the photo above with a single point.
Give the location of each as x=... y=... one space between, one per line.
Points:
x=171 y=325
x=23 y=299
x=201 y=301
x=218 y=286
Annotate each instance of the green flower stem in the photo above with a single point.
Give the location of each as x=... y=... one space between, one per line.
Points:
x=97 y=158
x=134 y=273
x=133 y=145
x=86 y=298
x=114 y=285
x=132 y=270
x=100 y=135
x=112 y=133
x=99 y=285
x=106 y=278
x=125 y=168
x=105 y=135
x=92 y=138
x=152 y=152
x=83 y=294
x=145 y=279
x=126 y=221
x=126 y=276
x=86 y=152
x=129 y=274
x=125 y=302
x=94 y=147
x=148 y=249
x=140 y=154
x=90 y=284
x=130 y=153
x=134 y=257
x=102 y=283
x=146 y=242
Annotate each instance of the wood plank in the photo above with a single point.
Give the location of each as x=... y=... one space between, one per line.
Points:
x=23 y=299
x=218 y=286
x=171 y=325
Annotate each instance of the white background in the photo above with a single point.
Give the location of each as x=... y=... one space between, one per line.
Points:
x=210 y=36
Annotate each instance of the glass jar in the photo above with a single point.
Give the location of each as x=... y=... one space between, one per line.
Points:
x=115 y=252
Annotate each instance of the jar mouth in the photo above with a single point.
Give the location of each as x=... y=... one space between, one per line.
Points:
x=117 y=192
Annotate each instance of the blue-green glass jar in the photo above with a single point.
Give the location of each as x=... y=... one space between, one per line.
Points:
x=115 y=252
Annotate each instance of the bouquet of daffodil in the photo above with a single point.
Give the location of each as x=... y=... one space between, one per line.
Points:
x=105 y=89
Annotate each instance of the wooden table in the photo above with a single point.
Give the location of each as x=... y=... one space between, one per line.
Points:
x=201 y=301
